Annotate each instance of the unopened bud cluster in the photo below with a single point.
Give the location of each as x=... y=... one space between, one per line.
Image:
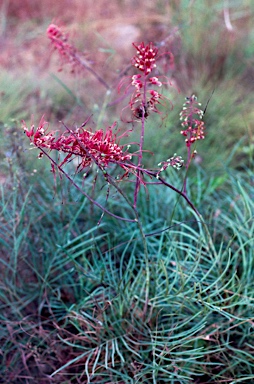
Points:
x=191 y=116
x=174 y=161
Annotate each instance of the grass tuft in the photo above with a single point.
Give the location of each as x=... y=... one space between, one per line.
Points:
x=72 y=303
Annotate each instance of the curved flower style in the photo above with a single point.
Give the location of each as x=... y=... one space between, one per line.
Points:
x=100 y=147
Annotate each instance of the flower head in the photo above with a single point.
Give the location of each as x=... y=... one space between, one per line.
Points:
x=99 y=147
x=146 y=98
x=145 y=57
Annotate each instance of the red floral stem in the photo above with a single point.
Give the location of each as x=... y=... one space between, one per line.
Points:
x=141 y=143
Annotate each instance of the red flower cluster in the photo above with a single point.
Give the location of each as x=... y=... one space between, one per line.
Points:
x=145 y=100
x=192 y=119
x=97 y=147
x=145 y=58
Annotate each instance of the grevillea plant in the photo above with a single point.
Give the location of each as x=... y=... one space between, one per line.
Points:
x=102 y=148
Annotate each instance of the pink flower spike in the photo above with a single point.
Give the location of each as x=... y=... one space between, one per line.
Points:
x=67 y=51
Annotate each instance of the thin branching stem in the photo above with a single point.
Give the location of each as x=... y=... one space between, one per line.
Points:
x=143 y=238
x=133 y=208
x=83 y=192
x=162 y=181
x=142 y=138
